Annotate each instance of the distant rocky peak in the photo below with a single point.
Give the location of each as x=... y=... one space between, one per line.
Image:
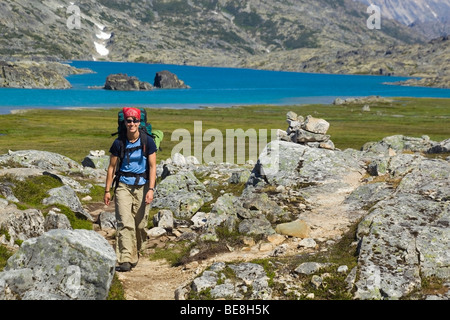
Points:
x=429 y=17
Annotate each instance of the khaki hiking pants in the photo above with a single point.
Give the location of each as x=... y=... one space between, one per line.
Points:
x=132 y=218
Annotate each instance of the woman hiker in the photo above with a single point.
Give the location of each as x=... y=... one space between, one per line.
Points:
x=134 y=188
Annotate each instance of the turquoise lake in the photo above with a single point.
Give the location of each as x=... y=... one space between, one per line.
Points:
x=210 y=86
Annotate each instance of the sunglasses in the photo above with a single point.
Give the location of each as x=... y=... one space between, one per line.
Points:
x=133 y=121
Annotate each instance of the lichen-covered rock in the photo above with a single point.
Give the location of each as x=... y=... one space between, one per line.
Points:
x=246 y=276
x=62 y=265
x=406 y=236
x=400 y=143
x=288 y=164
x=55 y=220
x=182 y=193
x=21 y=224
x=66 y=196
x=40 y=159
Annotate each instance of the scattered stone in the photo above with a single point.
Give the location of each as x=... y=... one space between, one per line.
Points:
x=310 y=267
x=199 y=220
x=276 y=239
x=297 y=228
x=315 y=125
x=342 y=269
x=156 y=232
x=164 y=219
x=107 y=220
x=307 y=243
x=279 y=250
x=316 y=281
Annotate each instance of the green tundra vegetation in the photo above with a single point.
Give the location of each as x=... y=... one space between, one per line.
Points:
x=73 y=133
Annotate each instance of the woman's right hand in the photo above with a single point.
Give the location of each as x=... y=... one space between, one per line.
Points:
x=107 y=198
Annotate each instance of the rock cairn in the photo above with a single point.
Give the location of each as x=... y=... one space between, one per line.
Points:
x=309 y=131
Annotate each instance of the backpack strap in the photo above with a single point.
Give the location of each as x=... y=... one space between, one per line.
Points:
x=124 y=152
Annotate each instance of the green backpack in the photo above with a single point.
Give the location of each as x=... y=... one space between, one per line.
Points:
x=146 y=131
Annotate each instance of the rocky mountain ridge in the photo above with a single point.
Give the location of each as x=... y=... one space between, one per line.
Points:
x=428 y=17
x=305 y=36
x=42 y=75
x=152 y=30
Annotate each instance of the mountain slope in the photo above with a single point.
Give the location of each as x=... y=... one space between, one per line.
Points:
x=213 y=32
x=428 y=17
x=329 y=36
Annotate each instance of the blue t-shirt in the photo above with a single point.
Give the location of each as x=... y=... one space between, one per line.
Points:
x=138 y=162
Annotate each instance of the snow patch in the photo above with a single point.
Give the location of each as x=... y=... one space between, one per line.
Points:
x=101 y=49
x=100 y=45
x=103 y=35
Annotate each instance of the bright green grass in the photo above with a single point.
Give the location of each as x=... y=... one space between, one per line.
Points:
x=74 y=133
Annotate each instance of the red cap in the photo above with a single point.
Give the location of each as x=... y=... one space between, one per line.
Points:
x=131 y=112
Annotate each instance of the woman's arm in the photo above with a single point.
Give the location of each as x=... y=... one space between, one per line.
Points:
x=151 y=177
x=109 y=179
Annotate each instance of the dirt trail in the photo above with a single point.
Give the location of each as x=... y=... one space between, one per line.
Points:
x=157 y=280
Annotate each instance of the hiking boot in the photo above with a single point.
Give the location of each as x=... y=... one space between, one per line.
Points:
x=124 y=267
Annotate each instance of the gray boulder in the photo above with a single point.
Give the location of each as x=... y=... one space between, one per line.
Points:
x=315 y=125
x=55 y=220
x=164 y=219
x=66 y=196
x=60 y=265
x=167 y=80
x=21 y=224
x=253 y=275
x=399 y=143
x=40 y=159
x=310 y=267
x=441 y=147
x=256 y=226
x=182 y=193
x=289 y=164
x=97 y=160
x=246 y=276
x=260 y=203
x=406 y=236
x=7 y=192
x=107 y=220
x=123 y=82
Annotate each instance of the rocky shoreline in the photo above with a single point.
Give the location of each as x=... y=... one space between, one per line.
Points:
x=391 y=190
x=36 y=75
